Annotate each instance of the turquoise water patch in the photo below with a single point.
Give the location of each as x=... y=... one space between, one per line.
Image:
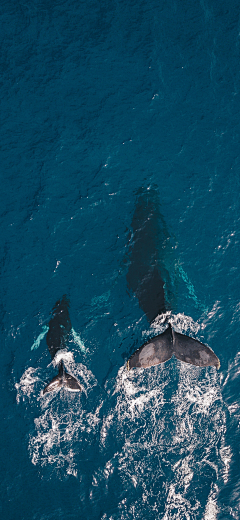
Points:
x=77 y=340
x=42 y=335
x=190 y=287
x=75 y=335
x=98 y=301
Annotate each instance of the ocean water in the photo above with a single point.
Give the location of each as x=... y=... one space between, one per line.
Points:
x=97 y=100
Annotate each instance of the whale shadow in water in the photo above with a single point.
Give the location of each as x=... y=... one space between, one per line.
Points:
x=147 y=277
x=57 y=338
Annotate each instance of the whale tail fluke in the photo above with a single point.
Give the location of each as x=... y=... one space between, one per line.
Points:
x=155 y=351
x=193 y=351
x=63 y=380
x=162 y=347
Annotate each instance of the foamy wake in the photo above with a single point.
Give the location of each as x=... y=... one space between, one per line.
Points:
x=63 y=427
x=166 y=425
x=180 y=322
x=171 y=424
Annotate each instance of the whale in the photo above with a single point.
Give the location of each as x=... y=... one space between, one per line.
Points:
x=57 y=339
x=147 y=278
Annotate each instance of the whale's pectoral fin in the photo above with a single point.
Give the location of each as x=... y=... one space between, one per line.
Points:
x=193 y=351
x=63 y=380
x=155 y=351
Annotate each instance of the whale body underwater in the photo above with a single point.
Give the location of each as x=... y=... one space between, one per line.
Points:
x=57 y=338
x=145 y=279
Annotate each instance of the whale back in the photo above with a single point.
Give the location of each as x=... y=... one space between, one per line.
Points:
x=148 y=278
x=59 y=327
x=144 y=276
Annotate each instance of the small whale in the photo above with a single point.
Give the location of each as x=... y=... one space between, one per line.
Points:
x=147 y=278
x=57 y=338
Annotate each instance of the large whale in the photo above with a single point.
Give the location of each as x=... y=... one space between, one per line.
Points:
x=147 y=277
x=57 y=338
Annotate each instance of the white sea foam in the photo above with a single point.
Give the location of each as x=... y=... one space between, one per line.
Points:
x=167 y=426
x=62 y=355
x=61 y=431
x=62 y=419
x=212 y=508
x=172 y=421
x=180 y=322
x=63 y=426
x=28 y=383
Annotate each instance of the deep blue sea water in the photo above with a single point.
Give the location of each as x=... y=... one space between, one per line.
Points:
x=97 y=100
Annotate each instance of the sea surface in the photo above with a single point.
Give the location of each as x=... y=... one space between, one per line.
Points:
x=99 y=99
